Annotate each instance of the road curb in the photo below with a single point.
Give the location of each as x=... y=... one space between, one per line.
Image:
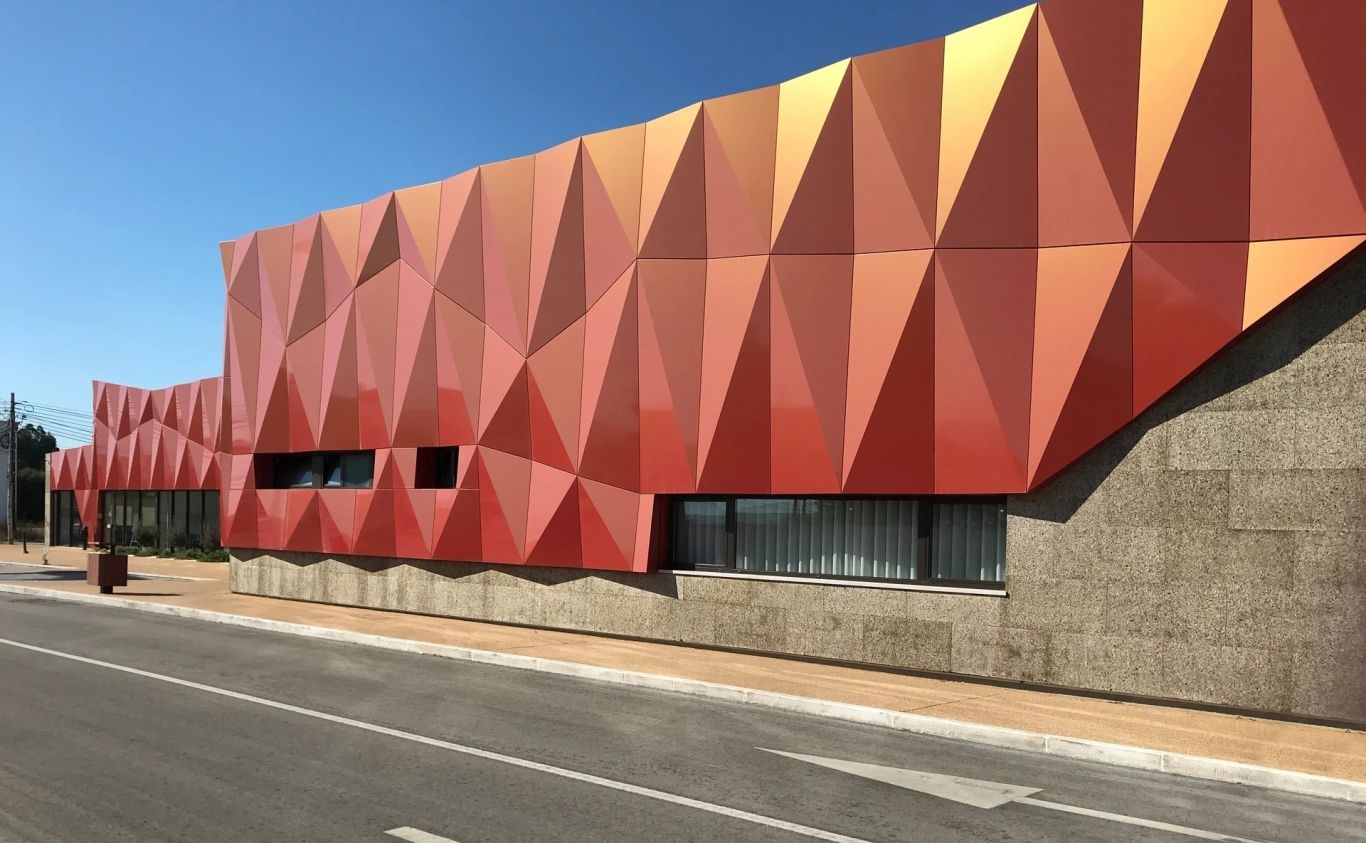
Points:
x=1192 y=766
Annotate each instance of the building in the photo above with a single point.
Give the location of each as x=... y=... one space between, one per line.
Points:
x=1034 y=352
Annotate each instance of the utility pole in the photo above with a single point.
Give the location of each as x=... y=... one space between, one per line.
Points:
x=13 y=466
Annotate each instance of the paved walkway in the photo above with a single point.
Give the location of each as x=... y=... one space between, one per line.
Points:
x=1340 y=753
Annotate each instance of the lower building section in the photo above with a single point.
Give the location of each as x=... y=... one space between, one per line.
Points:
x=167 y=518
x=1213 y=551
x=881 y=625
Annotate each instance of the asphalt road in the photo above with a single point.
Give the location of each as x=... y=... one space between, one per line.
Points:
x=223 y=733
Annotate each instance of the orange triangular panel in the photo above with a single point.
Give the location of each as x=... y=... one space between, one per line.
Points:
x=889 y=417
x=1188 y=303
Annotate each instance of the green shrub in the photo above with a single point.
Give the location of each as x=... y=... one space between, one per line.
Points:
x=219 y=555
x=179 y=540
x=145 y=551
x=211 y=541
x=127 y=549
x=28 y=532
x=191 y=553
x=147 y=536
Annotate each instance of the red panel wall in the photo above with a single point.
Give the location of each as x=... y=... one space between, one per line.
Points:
x=952 y=267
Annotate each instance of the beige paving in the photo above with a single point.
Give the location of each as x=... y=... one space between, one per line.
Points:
x=1340 y=753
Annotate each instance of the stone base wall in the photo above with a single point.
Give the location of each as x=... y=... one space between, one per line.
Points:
x=1212 y=551
x=884 y=626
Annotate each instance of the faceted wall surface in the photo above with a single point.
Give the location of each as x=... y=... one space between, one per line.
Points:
x=948 y=268
x=144 y=439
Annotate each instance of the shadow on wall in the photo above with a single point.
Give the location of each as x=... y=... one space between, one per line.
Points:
x=1299 y=324
x=454 y=572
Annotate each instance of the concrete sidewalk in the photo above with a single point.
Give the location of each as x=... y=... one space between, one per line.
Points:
x=1317 y=750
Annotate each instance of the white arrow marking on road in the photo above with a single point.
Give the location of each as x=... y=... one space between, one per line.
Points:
x=985 y=794
x=417 y=835
x=974 y=792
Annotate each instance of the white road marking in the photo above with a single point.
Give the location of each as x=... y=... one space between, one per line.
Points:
x=974 y=792
x=985 y=794
x=588 y=778
x=1121 y=818
x=417 y=835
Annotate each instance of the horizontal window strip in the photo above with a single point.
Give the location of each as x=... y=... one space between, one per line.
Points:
x=893 y=539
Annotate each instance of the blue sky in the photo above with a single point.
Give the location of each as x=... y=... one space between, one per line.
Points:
x=136 y=136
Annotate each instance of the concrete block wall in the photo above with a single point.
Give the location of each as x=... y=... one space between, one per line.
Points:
x=1214 y=551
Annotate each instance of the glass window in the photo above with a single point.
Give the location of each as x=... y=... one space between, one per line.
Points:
x=446 y=461
x=892 y=538
x=842 y=537
x=125 y=522
x=211 y=536
x=352 y=470
x=164 y=513
x=332 y=471
x=700 y=533
x=358 y=470
x=195 y=516
x=148 y=518
x=64 y=526
x=436 y=468
x=180 y=513
x=969 y=541
x=293 y=471
x=211 y=519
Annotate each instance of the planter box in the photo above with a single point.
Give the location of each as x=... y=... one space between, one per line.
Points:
x=106 y=570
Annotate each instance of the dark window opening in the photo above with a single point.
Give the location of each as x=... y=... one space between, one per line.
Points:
x=171 y=519
x=349 y=471
x=65 y=527
x=903 y=539
x=316 y=470
x=436 y=468
x=292 y=471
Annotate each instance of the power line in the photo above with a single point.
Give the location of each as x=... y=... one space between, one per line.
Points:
x=67 y=434
x=50 y=414
x=66 y=430
x=44 y=414
x=63 y=411
x=56 y=421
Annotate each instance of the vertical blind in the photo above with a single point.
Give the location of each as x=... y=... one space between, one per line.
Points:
x=845 y=538
x=700 y=533
x=969 y=541
x=871 y=538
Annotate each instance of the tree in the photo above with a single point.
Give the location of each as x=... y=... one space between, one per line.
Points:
x=34 y=444
x=28 y=495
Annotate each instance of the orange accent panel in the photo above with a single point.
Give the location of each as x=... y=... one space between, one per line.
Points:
x=1188 y=304
x=983 y=340
x=811 y=297
x=671 y=317
x=897 y=103
x=889 y=411
x=1083 y=353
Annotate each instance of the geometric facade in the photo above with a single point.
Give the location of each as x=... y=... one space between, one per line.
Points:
x=164 y=439
x=950 y=268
